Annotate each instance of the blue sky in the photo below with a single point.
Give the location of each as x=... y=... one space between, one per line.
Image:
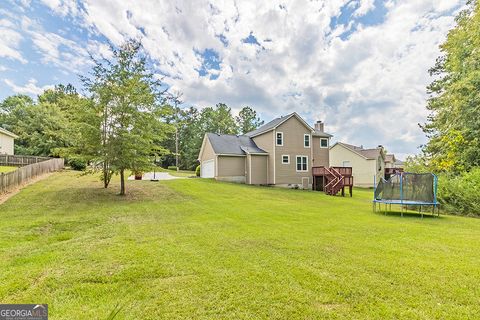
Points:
x=359 y=65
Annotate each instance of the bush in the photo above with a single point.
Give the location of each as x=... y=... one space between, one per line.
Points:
x=77 y=164
x=459 y=194
x=197 y=171
x=172 y=168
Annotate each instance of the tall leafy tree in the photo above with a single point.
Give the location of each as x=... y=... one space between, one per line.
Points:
x=218 y=120
x=247 y=120
x=124 y=125
x=453 y=127
x=41 y=125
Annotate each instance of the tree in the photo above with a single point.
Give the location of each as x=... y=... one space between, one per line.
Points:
x=218 y=120
x=41 y=125
x=123 y=122
x=247 y=120
x=454 y=123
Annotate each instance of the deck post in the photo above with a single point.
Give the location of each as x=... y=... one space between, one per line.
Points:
x=401 y=193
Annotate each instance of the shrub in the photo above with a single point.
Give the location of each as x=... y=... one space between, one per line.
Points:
x=172 y=168
x=197 y=171
x=459 y=194
x=77 y=164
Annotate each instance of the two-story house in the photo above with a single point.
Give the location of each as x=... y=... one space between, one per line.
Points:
x=366 y=163
x=281 y=153
x=7 y=141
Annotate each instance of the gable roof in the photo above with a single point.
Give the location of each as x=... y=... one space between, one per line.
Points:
x=365 y=153
x=232 y=144
x=278 y=121
x=390 y=158
x=8 y=133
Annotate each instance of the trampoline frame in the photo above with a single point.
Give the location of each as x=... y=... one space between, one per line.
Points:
x=406 y=203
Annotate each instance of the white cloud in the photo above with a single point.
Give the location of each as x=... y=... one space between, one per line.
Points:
x=30 y=88
x=55 y=49
x=10 y=41
x=368 y=87
x=62 y=7
x=364 y=7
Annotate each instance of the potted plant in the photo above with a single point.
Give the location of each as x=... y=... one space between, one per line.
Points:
x=138 y=175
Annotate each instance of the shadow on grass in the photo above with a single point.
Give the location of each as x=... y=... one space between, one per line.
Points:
x=408 y=214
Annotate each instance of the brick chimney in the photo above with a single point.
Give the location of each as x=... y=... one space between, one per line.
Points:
x=319 y=126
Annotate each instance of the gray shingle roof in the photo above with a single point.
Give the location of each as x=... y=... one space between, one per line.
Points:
x=390 y=158
x=367 y=153
x=277 y=121
x=321 y=134
x=268 y=126
x=232 y=144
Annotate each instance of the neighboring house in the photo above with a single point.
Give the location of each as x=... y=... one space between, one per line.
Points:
x=6 y=141
x=365 y=163
x=391 y=162
x=392 y=165
x=281 y=152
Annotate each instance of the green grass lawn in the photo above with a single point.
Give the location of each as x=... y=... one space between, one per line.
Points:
x=5 y=169
x=194 y=248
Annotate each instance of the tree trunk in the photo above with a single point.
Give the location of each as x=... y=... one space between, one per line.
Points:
x=122 y=182
x=176 y=148
x=106 y=180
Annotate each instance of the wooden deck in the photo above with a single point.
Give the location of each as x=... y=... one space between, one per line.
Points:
x=331 y=180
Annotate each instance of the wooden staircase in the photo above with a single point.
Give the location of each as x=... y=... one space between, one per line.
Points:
x=336 y=182
x=332 y=180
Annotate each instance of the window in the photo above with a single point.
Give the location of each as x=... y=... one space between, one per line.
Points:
x=302 y=163
x=285 y=159
x=306 y=140
x=279 y=138
x=346 y=163
x=323 y=143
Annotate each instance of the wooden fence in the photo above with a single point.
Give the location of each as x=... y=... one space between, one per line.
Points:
x=14 y=179
x=19 y=161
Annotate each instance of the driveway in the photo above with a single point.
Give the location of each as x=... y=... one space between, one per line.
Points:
x=157 y=176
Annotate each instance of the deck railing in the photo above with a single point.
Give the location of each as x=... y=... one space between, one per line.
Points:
x=322 y=171
x=13 y=179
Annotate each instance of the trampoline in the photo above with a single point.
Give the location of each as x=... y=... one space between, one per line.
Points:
x=407 y=189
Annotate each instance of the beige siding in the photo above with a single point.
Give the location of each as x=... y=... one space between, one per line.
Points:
x=257 y=169
x=320 y=155
x=363 y=170
x=231 y=168
x=208 y=153
x=293 y=135
x=6 y=144
x=266 y=142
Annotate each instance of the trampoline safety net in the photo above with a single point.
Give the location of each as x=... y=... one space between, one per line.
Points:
x=407 y=187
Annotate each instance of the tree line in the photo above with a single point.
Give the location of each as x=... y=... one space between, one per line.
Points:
x=125 y=120
x=453 y=126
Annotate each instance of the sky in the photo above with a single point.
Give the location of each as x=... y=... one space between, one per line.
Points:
x=361 y=66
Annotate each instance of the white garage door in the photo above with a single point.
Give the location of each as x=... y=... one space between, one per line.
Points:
x=208 y=169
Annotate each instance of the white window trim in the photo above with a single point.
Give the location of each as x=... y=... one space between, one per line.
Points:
x=276 y=139
x=296 y=163
x=309 y=140
x=321 y=143
x=288 y=157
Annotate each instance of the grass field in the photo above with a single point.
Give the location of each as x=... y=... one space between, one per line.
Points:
x=193 y=248
x=4 y=169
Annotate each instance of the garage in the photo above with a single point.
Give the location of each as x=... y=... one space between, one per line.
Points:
x=207 y=170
